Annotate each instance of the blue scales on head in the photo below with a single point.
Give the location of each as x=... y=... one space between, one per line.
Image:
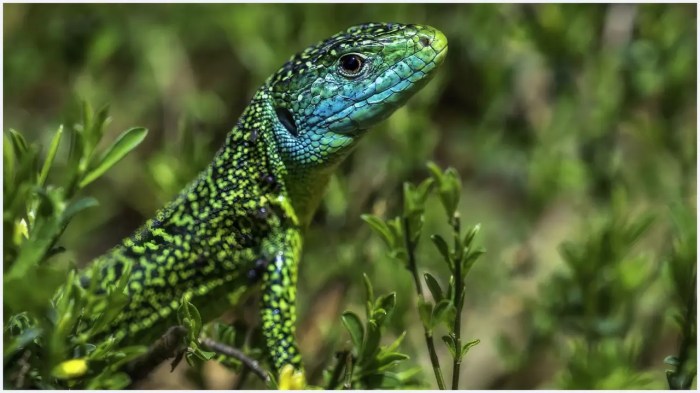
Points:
x=327 y=96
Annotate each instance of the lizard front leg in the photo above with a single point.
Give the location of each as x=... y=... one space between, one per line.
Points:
x=278 y=306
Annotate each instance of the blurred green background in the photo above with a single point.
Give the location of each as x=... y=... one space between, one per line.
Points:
x=559 y=118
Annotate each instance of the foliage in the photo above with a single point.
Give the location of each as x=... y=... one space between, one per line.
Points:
x=52 y=327
x=369 y=365
x=401 y=235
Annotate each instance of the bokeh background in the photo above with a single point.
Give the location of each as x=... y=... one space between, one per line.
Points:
x=559 y=118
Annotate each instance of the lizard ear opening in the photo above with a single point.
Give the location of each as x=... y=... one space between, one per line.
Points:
x=285 y=117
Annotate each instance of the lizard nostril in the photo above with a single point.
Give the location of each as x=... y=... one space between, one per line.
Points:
x=424 y=41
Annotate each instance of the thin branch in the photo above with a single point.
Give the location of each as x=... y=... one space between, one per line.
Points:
x=337 y=371
x=458 y=300
x=167 y=346
x=250 y=363
x=410 y=250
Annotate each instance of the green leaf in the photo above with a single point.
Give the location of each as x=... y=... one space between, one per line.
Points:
x=451 y=344
x=423 y=190
x=94 y=133
x=466 y=347
x=354 y=326
x=440 y=311
x=204 y=355
x=379 y=316
x=50 y=155
x=393 y=346
x=369 y=292
x=76 y=152
x=387 y=302
x=409 y=200
x=449 y=187
x=381 y=228
x=433 y=286
x=76 y=207
x=442 y=247
x=125 y=143
x=451 y=288
x=470 y=259
x=371 y=343
x=389 y=359
x=469 y=236
x=19 y=143
x=435 y=171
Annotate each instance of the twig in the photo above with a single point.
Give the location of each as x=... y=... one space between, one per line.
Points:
x=224 y=349
x=337 y=371
x=23 y=370
x=410 y=248
x=347 y=385
x=459 y=289
x=167 y=346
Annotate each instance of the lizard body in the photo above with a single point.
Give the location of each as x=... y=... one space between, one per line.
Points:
x=241 y=221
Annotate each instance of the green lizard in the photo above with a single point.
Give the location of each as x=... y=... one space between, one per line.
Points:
x=241 y=221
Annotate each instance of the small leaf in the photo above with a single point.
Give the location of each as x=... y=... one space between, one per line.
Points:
x=204 y=355
x=19 y=143
x=409 y=202
x=354 y=326
x=388 y=359
x=379 y=316
x=451 y=288
x=126 y=142
x=381 y=228
x=76 y=207
x=393 y=346
x=470 y=259
x=387 y=302
x=466 y=347
x=423 y=190
x=433 y=286
x=50 y=155
x=469 y=236
x=440 y=311
x=94 y=134
x=435 y=171
x=372 y=342
x=451 y=344
x=442 y=247
x=369 y=292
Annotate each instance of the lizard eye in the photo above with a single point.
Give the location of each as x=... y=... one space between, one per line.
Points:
x=351 y=65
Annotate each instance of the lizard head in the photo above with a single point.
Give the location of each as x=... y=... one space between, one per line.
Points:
x=327 y=96
x=323 y=100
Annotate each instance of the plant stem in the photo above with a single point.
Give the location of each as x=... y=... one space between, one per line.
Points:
x=224 y=349
x=410 y=250
x=459 y=289
x=337 y=371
